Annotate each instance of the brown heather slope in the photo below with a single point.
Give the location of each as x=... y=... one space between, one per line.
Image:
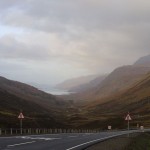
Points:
x=135 y=99
x=31 y=94
x=35 y=115
x=125 y=89
x=120 y=79
x=41 y=109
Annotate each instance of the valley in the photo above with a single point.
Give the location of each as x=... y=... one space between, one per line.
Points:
x=104 y=100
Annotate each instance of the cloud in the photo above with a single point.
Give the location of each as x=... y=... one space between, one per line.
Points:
x=58 y=15
x=89 y=36
x=15 y=49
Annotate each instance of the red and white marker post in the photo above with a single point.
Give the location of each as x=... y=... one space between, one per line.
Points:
x=21 y=116
x=128 y=118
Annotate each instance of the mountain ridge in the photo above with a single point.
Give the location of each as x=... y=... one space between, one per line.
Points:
x=119 y=79
x=143 y=61
x=75 y=82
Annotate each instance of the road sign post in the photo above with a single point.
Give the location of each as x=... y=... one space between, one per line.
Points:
x=128 y=118
x=21 y=116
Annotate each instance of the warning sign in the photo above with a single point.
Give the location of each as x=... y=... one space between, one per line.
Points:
x=21 y=116
x=128 y=117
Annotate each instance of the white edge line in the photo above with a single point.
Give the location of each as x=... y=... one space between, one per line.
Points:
x=21 y=144
x=93 y=141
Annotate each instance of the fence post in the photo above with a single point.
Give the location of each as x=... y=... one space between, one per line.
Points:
x=0 y=131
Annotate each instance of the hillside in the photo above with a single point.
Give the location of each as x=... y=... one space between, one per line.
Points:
x=37 y=106
x=113 y=110
x=35 y=115
x=120 y=79
x=30 y=93
x=126 y=89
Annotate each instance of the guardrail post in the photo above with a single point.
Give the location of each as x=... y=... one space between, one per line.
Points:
x=16 y=131
x=24 y=131
x=5 y=131
x=36 y=131
x=11 y=131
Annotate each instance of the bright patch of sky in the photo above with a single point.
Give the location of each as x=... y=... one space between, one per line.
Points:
x=5 y=30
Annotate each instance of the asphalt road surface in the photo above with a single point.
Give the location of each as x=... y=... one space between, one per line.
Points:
x=65 y=141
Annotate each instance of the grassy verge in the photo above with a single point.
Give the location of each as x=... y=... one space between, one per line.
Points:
x=140 y=141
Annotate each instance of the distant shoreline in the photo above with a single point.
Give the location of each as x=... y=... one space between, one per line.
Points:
x=58 y=92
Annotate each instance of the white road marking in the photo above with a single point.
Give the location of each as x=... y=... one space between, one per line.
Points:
x=72 y=136
x=38 y=138
x=92 y=142
x=8 y=137
x=21 y=144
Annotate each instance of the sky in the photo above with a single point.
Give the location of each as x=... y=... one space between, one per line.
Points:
x=49 y=41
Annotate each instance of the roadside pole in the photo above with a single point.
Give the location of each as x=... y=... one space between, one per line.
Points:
x=128 y=118
x=21 y=117
x=128 y=125
x=21 y=126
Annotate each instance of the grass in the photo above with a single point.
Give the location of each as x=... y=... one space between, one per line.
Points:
x=7 y=113
x=140 y=141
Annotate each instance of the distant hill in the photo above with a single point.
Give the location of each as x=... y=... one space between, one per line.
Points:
x=37 y=105
x=89 y=85
x=120 y=79
x=143 y=61
x=75 y=82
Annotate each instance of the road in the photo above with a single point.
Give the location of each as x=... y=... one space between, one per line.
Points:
x=65 y=141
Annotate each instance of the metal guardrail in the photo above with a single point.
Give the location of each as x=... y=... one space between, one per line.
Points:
x=30 y=131
x=14 y=131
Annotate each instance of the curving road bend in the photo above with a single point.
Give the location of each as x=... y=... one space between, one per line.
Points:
x=65 y=141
